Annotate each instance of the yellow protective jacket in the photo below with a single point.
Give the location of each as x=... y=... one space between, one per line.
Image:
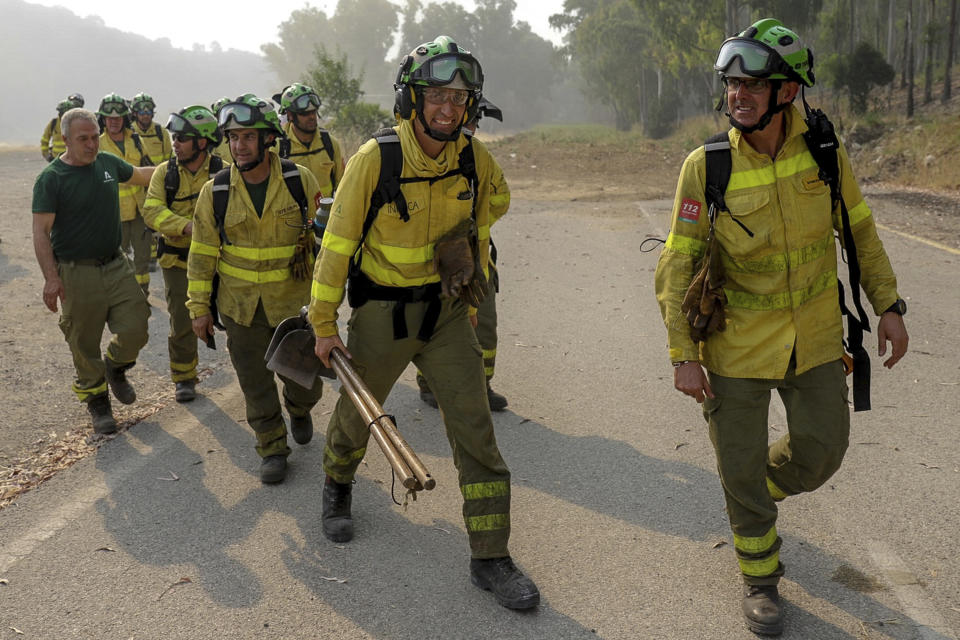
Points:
x=156 y=142
x=172 y=221
x=328 y=171
x=254 y=263
x=781 y=284
x=131 y=197
x=51 y=140
x=397 y=253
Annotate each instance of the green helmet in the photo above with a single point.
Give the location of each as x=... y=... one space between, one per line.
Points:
x=76 y=99
x=249 y=112
x=63 y=106
x=113 y=104
x=216 y=106
x=441 y=63
x=143 y=102
x=196 y=121
x=297 y=98
x=766 y=49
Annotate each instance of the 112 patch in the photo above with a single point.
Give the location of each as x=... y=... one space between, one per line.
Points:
x=690 y=211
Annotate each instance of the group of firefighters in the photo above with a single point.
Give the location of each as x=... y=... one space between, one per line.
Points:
x=248 y=235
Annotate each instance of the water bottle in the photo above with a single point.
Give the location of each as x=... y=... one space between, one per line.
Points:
x=322 y=216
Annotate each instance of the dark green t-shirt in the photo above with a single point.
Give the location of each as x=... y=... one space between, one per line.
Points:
x=258 y=195
x=86 y=203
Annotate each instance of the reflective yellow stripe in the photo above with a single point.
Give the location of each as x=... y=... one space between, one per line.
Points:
x=200 y=285
x=143 y=278
x=126 y=192
x=260 y=253
x=756 y=545
x=760 y=568
x=783 y=300
x=491 y=522
x=768 y=175
x=326 y=293
x=480 y=490
x=202 y=249
x=338 y=244
x=794 y=165
x=780 y=261
x=183 y=366
x=347 y=460
x=153 y=202
x=488 y=372
x=685 y=245
x=250 y=275
x=391 y=278
x=775 y=492
x=403 y=255
x=83 y=394
x=859 y=213
x=489 y=354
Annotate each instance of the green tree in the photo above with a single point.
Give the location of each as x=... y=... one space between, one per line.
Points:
x=858 y=73
x=341 y=96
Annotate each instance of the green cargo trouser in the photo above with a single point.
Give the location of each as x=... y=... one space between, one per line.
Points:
x=452 y=363
x=137 y=236
x=181 y=341
x=95 y=296
x=755 y=475
x=247 y=346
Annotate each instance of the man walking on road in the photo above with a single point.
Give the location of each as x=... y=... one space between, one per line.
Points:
x=168 y=208
x=76 y=236
x=253 y=233
x=775 y=252
x=414 y=257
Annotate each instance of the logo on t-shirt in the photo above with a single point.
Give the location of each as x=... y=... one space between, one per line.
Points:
x=107 y=177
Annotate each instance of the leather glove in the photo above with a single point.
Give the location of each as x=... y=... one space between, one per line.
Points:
x=704 y=302
x=299 y=263
x=454 y=259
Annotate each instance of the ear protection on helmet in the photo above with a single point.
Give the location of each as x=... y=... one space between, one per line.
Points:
x=405 y=101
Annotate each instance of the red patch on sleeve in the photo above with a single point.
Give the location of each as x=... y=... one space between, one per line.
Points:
x=316 y=200
x=690 y=210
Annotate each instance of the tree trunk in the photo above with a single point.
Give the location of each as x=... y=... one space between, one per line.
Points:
x=731 y=7
x=891 y=10
x=928 y=57
x=951 y=36
x=909 y=67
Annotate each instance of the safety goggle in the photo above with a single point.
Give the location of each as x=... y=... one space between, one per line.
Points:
x=143 y=112
x=178 y=125
x=442 y=69
x=440 y=95
x=243 y=114
x=113 y=108
x=756 y=58
x=306 y=102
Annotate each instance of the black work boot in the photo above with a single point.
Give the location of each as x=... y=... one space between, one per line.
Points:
x=273 y=469
x=301 y=428
x=117 y=380
x=497 y=401
x=337 y=521
x=102 y=415
x=186 y=390
x=510 y=587
x=761 y=609
x=426 y=395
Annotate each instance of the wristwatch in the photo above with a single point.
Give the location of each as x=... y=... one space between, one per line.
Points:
x=899 y=307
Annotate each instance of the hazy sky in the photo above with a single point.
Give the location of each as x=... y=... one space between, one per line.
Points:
x=186 y=22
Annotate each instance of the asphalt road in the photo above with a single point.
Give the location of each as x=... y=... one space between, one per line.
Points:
x=617 y=510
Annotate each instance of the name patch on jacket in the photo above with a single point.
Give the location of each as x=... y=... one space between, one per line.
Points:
x=690 y=211
x=289 y=211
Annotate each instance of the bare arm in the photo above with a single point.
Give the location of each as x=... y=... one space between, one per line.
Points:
x=141 y=176
x=52 y=286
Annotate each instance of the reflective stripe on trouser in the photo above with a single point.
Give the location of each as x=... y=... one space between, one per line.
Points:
x=452 y=364
x=181 y=341
x=755 y=474
x=247 y=346
x=487 y=331
x=137 y=236
x=98 y=296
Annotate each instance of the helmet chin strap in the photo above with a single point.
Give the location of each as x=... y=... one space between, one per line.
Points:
x=773 y=109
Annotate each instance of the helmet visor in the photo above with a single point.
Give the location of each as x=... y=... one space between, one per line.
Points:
x=306 y=102
x=243 y=115
x=756 y=59
x=177 y=124
x=441 y=70
x=113 y=109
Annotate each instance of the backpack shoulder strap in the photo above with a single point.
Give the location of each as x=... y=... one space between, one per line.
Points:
x=144 y=159
x=283 y=148
x=291 y=176
x=221 y=197
x=468 y=168
x=171 y=181
x=388 y=186
x=718 y=167
x=328 y=147
x=216 y=163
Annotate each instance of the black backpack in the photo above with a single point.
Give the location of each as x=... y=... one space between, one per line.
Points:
x=822 y=143
x=171 y=181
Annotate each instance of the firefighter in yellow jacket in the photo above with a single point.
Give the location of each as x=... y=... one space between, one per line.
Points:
x=782 y=328
x=222 y=150
x=169 y=209
x=306 y=143
x=156 y=142
x=51 y=140
x=118 y=138
x=259 y=246
x=407 y=309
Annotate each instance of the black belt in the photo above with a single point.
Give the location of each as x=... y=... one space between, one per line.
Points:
x=429 y=293
x=163 y=247
x=94 y=262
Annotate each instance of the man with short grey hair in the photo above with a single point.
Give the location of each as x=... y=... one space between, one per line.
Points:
x=76 y=237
